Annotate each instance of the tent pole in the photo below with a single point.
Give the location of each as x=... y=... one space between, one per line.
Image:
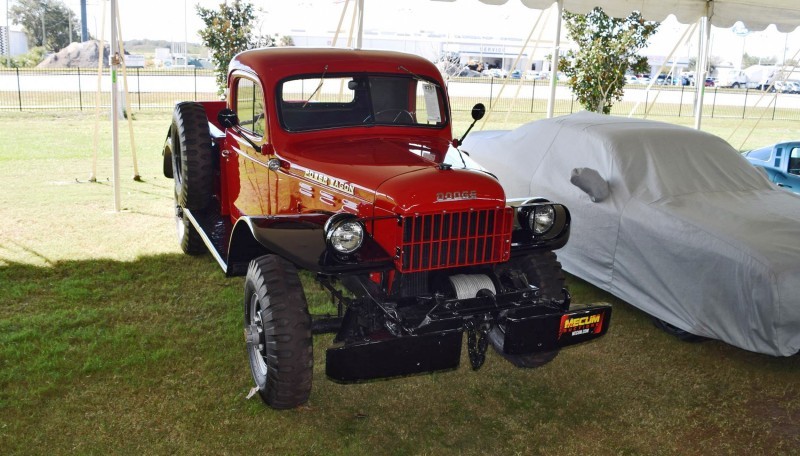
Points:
x=339 y=27
x=115 y=104
x=546 y=14
x=360 y=36
x=128 y=109
x=514 y=66
x=554 y=61
x=702 y=68
x=687 y=33
x=100 y=55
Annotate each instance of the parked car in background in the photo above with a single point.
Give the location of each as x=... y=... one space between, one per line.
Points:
x=516 y=74
x=664 y=79
x=786 y=87
x=668 y=218
x=781 y=161
x=531 y=75
x=496 y=73
x=467 y=72
x=631 y=79
x=560 y=76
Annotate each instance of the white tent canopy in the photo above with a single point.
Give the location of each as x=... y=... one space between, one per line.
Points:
x=756 y=15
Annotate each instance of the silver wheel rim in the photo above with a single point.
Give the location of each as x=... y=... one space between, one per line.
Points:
x=257 y=351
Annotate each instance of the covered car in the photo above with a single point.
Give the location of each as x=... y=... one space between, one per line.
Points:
x=672 y=220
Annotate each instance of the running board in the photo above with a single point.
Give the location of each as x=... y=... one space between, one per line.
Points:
x=215 y=232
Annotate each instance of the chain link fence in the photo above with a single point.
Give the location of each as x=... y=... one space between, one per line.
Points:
x=159 y=89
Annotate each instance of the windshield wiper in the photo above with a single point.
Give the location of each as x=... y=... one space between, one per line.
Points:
x=417 y=77
x=319 y=86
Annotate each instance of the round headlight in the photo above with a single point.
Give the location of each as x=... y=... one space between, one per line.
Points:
x=541 y=219
x=346 y=236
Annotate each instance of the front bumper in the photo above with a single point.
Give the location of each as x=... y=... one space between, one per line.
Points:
x=527 y=331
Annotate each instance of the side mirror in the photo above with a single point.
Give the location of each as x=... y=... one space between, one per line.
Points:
x=478 y=111
x=228 y=118
x=591 y=182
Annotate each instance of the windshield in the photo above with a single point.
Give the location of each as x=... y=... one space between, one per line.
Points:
x=313 y=103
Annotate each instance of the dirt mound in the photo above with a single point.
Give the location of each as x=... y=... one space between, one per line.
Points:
x=77 y=55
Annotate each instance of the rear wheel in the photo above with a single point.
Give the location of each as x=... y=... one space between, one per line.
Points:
x=543 y=270
x=277 y=329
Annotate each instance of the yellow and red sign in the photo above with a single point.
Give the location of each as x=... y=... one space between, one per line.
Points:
x=578 y=325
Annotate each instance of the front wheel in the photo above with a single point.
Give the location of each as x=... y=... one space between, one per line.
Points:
x=277 y=329
x=542 y=270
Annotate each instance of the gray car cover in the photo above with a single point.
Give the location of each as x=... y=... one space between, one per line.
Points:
x=690 y=232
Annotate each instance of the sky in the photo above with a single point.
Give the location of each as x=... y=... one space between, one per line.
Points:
x=177 y=20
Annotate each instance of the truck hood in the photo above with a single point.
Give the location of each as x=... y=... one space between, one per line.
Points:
x=439 y=189
x=393 y=174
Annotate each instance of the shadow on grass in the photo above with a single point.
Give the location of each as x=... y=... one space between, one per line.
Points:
x=147 y=356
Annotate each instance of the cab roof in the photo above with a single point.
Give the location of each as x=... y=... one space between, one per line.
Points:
x=274 y=64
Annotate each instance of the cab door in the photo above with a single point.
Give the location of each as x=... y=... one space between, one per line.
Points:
x=245 y=165
x=789 y=177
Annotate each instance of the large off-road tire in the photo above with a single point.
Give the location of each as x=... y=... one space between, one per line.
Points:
x=189 y=239
x=544 y=271
x=278 y=332
x=192 y=156
x=167 y=155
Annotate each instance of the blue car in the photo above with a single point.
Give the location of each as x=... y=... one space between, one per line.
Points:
x=781 y=161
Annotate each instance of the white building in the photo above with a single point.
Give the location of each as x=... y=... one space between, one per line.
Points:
x=15 y=41
x=491 y=51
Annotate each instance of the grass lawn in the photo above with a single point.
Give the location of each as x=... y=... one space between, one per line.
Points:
x=113 y=342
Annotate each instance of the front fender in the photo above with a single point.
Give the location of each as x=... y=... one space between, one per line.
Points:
x=523 y=240
x=300 y=239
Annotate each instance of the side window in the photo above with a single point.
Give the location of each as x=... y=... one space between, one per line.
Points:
x=250 y=106
x=794 y=161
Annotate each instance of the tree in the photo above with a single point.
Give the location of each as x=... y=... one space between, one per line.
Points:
x=29 y=60
x=750 y=60
x=229 y=31
x=713 y=63
x=607 y=49
x=47 y=23
x=286 y=40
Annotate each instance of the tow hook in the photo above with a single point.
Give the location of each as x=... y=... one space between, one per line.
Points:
x=477 y=340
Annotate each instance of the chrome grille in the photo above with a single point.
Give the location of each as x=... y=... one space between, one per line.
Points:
x=454 y=239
